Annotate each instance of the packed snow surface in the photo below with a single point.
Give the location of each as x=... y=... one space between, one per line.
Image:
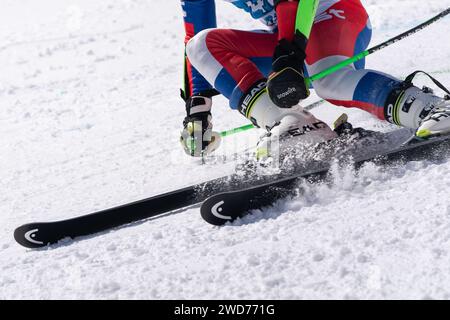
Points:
x=90 y=117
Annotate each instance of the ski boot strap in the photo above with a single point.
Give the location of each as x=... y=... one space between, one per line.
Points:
x=409 y=79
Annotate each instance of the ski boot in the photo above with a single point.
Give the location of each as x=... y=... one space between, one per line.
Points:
x=287 y=128
x=419 y=109
x=197 y=137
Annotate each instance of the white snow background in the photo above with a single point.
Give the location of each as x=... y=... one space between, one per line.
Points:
x=89 y=118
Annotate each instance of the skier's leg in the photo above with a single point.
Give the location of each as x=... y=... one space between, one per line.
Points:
x=343 y=31
x=232 y=60
x=197 y=16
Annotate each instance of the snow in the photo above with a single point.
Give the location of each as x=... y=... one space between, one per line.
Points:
x=89 y=119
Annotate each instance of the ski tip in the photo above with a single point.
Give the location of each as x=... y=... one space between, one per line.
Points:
x=219 y=209
x=28 y=236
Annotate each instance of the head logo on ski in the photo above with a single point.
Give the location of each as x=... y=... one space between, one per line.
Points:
x=32 y=234
x=217 y=209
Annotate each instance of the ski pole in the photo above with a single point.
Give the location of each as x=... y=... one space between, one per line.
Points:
x=236 y=130
x=354 y=59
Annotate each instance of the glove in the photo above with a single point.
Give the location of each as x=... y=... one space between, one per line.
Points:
x=197 y=137
x=286 y=84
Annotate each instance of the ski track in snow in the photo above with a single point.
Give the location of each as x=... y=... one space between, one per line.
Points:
x=90 y=117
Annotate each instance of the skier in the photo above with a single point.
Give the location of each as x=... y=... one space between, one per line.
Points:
x=262 y=73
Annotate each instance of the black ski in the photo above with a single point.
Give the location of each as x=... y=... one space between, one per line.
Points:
x=228 y=206
x=40 y=234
